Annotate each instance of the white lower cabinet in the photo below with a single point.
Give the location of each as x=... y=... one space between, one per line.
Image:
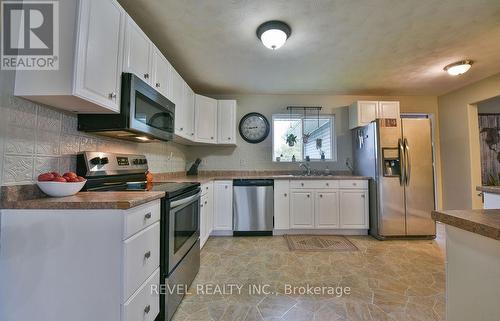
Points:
x=326 y=209
x=354 y=209
x=301 y=209
x=281 y=204
x=105 y=259
x=320 y=204
x=223 y=207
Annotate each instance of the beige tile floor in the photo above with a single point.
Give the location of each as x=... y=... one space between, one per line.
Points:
x=391 y=280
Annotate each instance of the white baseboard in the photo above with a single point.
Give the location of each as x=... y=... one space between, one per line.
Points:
x=221 y=233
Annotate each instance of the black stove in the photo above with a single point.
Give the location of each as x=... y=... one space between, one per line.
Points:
x=121 y=172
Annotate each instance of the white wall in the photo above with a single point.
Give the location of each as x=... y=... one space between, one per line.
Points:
x=460 y=158
x=35 y=138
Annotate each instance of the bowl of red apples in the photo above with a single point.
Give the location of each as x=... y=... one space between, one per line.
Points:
x=57 y=185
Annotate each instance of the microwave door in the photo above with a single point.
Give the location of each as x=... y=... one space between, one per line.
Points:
x=150 y=112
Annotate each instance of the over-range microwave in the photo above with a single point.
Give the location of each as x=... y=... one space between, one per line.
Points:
x=145 y=114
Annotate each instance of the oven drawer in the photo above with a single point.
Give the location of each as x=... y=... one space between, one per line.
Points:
x=354 y=184
x=144 y=305
x=141 y=217
x=141 y=257
x=314 y=183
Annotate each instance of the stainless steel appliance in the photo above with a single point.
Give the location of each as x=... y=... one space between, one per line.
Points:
x=253 y=207
x=397 y=154
x=145 y=114
x=179 y=222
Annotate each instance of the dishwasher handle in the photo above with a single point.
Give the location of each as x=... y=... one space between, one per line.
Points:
x=253 y=182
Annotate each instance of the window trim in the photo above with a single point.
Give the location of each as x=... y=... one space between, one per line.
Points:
x=333 y=137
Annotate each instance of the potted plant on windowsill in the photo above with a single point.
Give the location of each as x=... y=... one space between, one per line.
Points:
x=291 y=139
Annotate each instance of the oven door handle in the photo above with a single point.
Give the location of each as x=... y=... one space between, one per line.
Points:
x=186 y=200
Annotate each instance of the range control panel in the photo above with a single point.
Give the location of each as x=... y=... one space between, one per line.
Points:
x=100 y=164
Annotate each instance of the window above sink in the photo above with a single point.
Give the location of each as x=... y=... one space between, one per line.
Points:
x=299 y=136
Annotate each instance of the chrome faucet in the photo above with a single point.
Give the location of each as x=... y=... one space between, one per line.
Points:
x=306 y=167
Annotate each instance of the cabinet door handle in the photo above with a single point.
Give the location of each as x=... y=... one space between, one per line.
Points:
x=192 y=134
x=286 y=194
x=212 y=137
x=327 y=184
x=146 y=76
x=147 y=255
x=206 y=202
x=225 y=186
x=320 y=195
x=157 y=85
x=301 y=184
x=229 y=138
x=206 y=187
x=147 y=216
x=201 y=205
x=181 y=129
x=112 y=95
x=147 y=308
x=308 y=195
x=363 y=195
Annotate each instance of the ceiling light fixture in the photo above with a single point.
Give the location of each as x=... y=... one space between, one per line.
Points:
x=274 y=34
x=458 y=68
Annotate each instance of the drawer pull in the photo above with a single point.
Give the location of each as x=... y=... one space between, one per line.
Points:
x=354 y=184
x=147 y=216
x=206 y=187
x=363 y=195
x=308 y=195
x=147 y=255
x=320 y=195
x=225 y=186
x=301 y=184
x=286 y=194
x=147 y=309
x=327 y=184
x=206 y=202
x=201 y=205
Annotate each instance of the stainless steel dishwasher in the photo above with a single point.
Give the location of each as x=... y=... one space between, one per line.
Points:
x=253 y=207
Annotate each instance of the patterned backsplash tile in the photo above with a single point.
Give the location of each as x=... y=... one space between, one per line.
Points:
x=35 y=139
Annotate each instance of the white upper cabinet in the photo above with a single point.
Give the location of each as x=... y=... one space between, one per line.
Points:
x=363 y=112
x=388 y=109
x=90 y=60
x=161 y=74
x=137 y=52
x=184 y=117
x=226 y=129
x=205 y=119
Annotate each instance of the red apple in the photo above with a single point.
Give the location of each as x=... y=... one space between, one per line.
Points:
x=59 y=179
x=73 y=180
x=70 y=174
x=56 y=174
x=80 y=179
x=45 y=177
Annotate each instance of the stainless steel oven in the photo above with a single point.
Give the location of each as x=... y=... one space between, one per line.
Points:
x=184 y=226
x=180 y=248
x=145 y=114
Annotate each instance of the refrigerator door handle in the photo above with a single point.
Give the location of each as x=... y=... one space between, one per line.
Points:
x=402 y=176
x=407 y=161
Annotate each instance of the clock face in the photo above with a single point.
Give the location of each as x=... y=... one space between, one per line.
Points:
x=254 y=128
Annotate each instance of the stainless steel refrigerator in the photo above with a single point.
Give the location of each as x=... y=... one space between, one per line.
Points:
x=397 y=154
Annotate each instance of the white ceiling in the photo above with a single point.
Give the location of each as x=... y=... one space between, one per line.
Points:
x=338 y=46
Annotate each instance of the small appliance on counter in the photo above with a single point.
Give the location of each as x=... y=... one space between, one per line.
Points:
x=193 y=170
x=179 y=222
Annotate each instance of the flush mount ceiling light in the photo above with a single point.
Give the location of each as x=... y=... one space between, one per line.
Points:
x=273 y=34
x=458 y=68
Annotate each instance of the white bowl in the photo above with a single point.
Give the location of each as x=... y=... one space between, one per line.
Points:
x=60 y=189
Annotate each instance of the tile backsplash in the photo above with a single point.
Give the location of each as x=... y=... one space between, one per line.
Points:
x=36 y=138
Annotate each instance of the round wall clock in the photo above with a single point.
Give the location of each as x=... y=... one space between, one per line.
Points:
x=254 y=127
